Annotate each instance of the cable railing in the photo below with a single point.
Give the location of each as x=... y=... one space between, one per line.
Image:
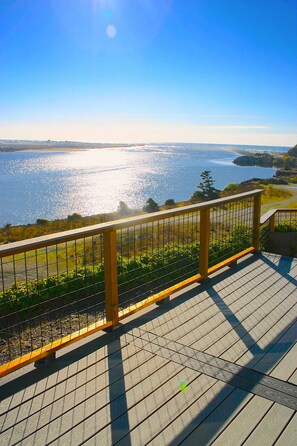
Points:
x=62 y=287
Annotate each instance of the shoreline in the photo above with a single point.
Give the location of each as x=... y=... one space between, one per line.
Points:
x=57 y=146
x=54 y=149
x=105 y=216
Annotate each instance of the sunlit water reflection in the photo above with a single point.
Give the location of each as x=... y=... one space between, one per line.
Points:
x=53 y=185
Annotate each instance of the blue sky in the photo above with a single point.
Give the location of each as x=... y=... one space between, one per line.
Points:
x=216 y=71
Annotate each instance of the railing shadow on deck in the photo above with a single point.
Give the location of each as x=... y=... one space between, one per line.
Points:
x=284 y=267
x=118 y=402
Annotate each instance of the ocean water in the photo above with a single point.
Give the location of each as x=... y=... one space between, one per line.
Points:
x=53 y=185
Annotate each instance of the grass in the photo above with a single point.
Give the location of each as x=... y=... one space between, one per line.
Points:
x=273 y=194
x=278 y=197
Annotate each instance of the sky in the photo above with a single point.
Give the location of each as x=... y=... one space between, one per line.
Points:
x=204 y=71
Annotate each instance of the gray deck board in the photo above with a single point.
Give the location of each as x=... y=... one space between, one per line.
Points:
x=289 y=434
x=244 y=423
x=271 y=426
x=197 y=432
x=231 y=341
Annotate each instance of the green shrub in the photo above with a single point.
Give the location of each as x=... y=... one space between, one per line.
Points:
x=286 y=226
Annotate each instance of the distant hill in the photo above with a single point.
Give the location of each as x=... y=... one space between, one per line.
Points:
x=287 y=161
x=257 y=159
x=18 y=145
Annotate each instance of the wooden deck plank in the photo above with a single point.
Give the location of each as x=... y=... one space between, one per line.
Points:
x=186 y=310
x=199 y=321
x=186 y=330
x=179 y=320
x=198 y=400
x=248 y=317
x=289 y=435
x=281 y=334
x=204 y=323
x=246 y=379
x=220 y=339
x=65 y=373
x=293 y=378
x=287 y=366
x=199 y=431
x=141 y=398
x=254 y=327
x=244 y=424
x=242 y=300
x=60 y=414
x=273 y=357
x=271 y=426
x=83 y=382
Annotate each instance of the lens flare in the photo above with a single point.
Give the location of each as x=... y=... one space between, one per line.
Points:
x=111 y=31
x=183 y=386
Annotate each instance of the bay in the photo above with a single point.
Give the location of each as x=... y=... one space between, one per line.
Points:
x=52 y=185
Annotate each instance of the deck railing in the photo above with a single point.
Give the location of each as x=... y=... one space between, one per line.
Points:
x=59 y=288
x=277 y=220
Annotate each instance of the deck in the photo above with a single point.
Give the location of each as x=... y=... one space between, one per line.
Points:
x=216 y=365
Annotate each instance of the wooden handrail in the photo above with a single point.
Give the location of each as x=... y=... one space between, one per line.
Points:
x=264 y=218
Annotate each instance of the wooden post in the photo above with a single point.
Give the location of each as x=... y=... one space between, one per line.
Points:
x=204 y=242
x=256 y=222
x=111 y=277
x=272 y=223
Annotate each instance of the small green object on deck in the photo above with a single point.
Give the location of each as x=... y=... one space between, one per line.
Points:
x=182 y=386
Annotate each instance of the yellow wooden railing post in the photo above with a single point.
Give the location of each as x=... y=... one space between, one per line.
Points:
x=256 y=222
x=272 y=223
x=111 y=277
x=204 y=242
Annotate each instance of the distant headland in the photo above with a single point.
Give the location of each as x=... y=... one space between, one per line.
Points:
x=49 y=145
x=285 y=163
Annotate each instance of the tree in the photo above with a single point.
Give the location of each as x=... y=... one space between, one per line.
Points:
x=151 y=206
x=278 y=162
x=289 y=162
x=123 y=208
x=207 y=190
x=293 y=151
x=170 y=202
x=41 y=221
x=74 y=217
